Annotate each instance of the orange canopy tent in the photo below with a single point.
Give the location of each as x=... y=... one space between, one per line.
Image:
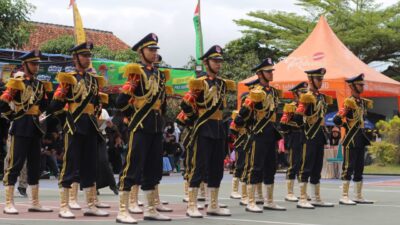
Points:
x=324 y=49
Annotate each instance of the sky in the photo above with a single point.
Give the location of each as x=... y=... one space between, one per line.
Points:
x=171 y=20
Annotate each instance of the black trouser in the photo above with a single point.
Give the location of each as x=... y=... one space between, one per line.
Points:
x=312 y=159
x=3 y=153
x=207 y=162
x=262 y=160
x=114 y=156
x=80 y=159
x=143 y=163
x=21 y=149
x=353 y=163
x=48 y=161
x=247 y=166
x=295 y=151
x=105 y=175
x=240 y=162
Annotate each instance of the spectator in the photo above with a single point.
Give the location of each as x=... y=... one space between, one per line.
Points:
x=114 y=146
x=170 y=143
x=48 y=156
x=335 y=136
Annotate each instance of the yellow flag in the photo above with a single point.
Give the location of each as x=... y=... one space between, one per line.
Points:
x=80 y=35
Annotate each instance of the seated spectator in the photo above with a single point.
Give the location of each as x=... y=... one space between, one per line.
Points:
x=48 y=156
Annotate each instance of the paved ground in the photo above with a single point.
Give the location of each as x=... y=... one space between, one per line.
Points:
x=384 y=189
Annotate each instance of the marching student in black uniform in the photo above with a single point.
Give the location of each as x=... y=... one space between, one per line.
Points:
x=22 y=103
x=294 y=139
x=310 y=114
x=79 y=90
x=143 y=100
x=160 y=204
x=352 y=117
x=261 y=106
x=105 y=175
x=240 y=139
x=243 y=148
x=202 y=110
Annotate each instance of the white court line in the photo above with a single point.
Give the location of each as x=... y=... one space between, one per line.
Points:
x=368 y=190
x=375 y=205
x=101 y=219
x=259 y=221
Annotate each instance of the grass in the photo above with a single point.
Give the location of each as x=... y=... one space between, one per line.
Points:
x=377 y=169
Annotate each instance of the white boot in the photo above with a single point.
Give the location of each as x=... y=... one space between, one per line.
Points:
x=35 y=206
x=290 y=197
x=203 y=192
x=345 y=200
x=192 y=209
x=235 y=188
x=316 y=198
x=9 y=207
x=303 y=202
x=213 y=208
x=251 y=205
x=73 y=197
x=244 y=200
x=65 y=211
x=358 y=194
x=186 y=191
x=158 y=203
x=97 y=202
x=133 y=200
x=150 y=212
x=269 y=200
x=123 y=215
x=91 y=209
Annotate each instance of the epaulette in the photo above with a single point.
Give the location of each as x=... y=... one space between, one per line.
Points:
x=132 y=68
x=230 y=85
x=289 y=107
x=350 y=103
x=234 y=114
x=369 y=103
x=16 y=84
x=256 y=95
x=196 y=84
x=48 y=86
x=103 y=97
x=308 y=98
x=100 y=80
x=328 y=99
x=68 y=78
x=169 y=90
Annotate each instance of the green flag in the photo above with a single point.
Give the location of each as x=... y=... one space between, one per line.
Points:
x=199 y=34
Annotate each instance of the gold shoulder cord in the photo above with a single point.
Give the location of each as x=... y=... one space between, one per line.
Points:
x=152 y=87
x=29 y=96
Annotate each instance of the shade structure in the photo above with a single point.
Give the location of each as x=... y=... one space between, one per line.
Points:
x=324 y=49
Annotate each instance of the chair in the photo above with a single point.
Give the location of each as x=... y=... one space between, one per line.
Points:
x=337 y=161
x=339 y=156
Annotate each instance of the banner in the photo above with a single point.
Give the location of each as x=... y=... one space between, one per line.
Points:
x=113 y=71
x=80 y=35
x=199 y=33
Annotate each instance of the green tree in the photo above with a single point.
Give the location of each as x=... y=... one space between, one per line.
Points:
x=390 y=131
x=62 y=45
x=370 y=31
x=59 y=45
x=14 y=26
x=243 y=54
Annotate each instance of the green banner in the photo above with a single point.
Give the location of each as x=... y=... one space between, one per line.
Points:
x=113 y=71
x=199 y=33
